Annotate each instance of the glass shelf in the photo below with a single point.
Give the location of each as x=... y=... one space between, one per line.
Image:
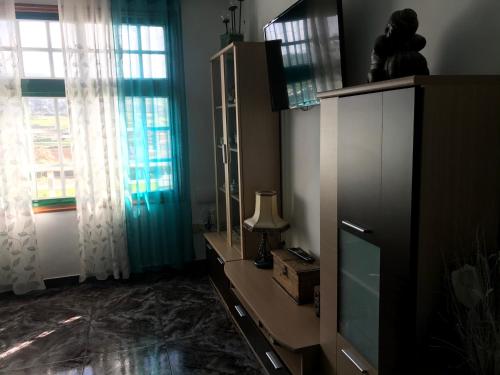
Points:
x=232 y=105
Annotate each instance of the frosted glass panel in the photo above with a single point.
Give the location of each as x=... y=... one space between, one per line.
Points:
x=152 y=38
x=55 y=35
x=131 y=67
x=359 y=294
x=154 y=66
x=33 y=34
x=36 y=64
x=57 y=58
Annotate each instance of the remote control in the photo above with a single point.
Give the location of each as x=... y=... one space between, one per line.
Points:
x=297 y=251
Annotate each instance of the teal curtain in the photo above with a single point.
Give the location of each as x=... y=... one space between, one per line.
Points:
x=151 y=98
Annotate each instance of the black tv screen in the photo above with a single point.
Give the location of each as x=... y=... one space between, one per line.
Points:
x=310 y=33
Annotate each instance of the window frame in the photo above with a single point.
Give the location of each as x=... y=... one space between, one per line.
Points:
x=43 y=88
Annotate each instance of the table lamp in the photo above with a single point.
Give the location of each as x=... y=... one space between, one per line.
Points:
x=265 y=219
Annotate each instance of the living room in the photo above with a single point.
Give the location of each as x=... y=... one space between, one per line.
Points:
x=123 y=170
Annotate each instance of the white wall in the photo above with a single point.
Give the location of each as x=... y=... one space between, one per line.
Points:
x=462 y=38
x=462 y=35
x=201 y=29
x=300 y=148
x=57 y=236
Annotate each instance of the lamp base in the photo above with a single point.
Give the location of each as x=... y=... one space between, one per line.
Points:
x=264 y=259
x=264 y=263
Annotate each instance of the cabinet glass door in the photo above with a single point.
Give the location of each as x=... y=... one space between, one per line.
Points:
x=231 y=106
x=220 y=152
x=359 y=294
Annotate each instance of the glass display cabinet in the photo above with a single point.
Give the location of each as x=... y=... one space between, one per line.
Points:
x=246 y=140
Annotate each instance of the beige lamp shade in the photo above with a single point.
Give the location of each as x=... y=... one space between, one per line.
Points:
x=266 y=217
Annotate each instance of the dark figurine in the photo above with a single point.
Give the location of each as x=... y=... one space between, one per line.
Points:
x=396 y=53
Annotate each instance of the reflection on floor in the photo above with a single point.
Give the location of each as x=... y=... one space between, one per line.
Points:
x=162 y=325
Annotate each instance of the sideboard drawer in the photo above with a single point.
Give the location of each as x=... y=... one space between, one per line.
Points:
x=216 y=269
x=266 y=352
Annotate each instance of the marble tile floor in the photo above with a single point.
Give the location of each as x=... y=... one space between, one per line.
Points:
x=156 y=325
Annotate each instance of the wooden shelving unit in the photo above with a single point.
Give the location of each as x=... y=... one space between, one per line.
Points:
x=246 y=139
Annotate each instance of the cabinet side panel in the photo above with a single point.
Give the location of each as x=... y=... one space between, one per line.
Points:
x=460 y=184
x=328 y=276
x=259 y=133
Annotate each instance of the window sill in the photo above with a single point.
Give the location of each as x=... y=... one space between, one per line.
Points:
x=49 y=209
x=43 y=206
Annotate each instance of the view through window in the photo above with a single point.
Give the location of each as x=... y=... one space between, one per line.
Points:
x=45 y=107
x=147 y=116
x=42 y=65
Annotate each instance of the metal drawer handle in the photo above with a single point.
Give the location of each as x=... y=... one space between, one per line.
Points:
x=274 y=360
x=240 y=310
x=361 y=369
x=355 y=227
x=221 y=261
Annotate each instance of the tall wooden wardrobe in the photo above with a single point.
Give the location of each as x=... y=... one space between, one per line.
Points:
x=410 y=171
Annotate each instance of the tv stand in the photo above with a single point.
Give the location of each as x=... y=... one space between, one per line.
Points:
x=283 y=335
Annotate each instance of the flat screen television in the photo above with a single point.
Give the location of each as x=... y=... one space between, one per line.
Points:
x=309 y=36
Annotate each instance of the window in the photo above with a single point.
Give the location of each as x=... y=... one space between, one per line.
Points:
x=41 y=46
x=45 y=106
x=146 y=108
x=53 y=160
x=150 y=156
x=143 y=50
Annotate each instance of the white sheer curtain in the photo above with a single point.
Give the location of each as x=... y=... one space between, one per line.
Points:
x=91 y=94
x=19 y=267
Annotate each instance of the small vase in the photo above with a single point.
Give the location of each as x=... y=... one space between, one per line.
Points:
x=226 y=39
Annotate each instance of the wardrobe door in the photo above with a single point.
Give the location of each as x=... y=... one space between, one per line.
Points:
x=359 y=168
x=359 y=187
x=397 y=290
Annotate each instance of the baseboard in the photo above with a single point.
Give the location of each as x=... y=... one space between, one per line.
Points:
x=62 y=282
x=198 y=267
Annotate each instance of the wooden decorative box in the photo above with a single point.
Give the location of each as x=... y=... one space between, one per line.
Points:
x=297 y=277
